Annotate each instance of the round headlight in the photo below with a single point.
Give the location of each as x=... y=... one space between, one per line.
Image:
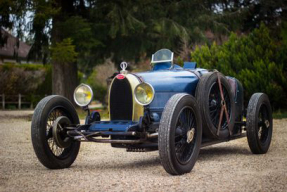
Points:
x=144 y=93
x=83 y=95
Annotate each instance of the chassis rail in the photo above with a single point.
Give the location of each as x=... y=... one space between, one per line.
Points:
x=89 y=137
x=81 y=133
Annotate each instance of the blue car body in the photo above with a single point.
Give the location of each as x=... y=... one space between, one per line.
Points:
x=166 y=80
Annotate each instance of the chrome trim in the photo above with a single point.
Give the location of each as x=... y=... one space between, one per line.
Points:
x=123 y=65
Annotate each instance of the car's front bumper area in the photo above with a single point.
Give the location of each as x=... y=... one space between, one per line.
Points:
x=124 y=132
x=114 y=126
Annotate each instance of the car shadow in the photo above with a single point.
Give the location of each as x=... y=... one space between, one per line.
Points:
x=206 y=154
x=121 y=165
x=218 y=151
x=144 y=163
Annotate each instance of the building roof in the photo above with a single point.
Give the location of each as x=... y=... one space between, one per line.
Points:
x=10 y=47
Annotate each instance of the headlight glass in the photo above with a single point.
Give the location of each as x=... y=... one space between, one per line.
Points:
x=144 y=93
x=83 y=95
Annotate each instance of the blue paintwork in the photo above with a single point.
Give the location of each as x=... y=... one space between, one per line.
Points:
x=117 y=126
x=166 y=83
x=162 y=66
x=165 y=66
x=175 y=66
x=173 y=80
x=189 y=65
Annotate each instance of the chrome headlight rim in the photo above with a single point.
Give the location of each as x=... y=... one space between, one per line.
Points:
x=144 y=104
x=90 y=89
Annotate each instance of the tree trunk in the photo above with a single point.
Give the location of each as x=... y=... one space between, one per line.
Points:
x=64 y=75
x=64 y=79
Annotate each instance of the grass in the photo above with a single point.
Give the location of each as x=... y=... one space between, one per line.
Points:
x=279 y=114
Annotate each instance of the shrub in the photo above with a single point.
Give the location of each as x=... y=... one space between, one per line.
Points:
x=256 y=60
x=32 y=80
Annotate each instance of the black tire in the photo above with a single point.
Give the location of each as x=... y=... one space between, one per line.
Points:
x=46 y=112
x=172 y=134
x=209 y=101
x=259 y=123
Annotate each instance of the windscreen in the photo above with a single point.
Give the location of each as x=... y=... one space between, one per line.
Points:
x=163 y=55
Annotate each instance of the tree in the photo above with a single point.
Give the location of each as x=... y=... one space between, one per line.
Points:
x=94 y=30
x=62 y=23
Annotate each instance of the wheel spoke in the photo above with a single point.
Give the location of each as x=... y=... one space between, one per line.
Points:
x=185 y=123
x=188 y=118
x=49 y=134
x=55 y=149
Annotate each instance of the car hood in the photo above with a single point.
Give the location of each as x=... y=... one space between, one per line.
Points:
x=171 y=80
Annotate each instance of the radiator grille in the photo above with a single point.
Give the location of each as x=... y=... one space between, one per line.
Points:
x=121 y=101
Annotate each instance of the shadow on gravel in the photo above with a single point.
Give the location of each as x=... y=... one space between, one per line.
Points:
x=206 y=154
x=138 y=164
x=144 y=163
x=219 y=151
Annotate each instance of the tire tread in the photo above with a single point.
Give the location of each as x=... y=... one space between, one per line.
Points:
x=37 y=140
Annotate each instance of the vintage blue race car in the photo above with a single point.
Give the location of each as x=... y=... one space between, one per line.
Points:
x=176 y=110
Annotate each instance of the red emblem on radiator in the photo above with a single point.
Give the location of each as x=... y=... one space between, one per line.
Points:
x=120 y=76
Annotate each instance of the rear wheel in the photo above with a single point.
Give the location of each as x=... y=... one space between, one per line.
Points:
x=180 y=134
x=259 y=123
x=54 y=149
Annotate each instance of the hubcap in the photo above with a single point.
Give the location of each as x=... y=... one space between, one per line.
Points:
x=190 y=135
x=267 y=123
x=263 y=124
x=59 y=133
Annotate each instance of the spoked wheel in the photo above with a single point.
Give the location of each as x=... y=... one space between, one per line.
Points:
x=51 y=143
x=259 y=123
x=216 y=103
x=180 y=134
x=184 y=135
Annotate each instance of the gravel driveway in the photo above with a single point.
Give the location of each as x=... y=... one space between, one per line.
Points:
x=222 y=167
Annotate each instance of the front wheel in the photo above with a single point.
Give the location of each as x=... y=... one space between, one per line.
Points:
x=180 y=134
x=259 y=123
x=53 y=147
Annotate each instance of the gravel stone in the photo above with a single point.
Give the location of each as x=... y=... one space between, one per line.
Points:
x=99 y=167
